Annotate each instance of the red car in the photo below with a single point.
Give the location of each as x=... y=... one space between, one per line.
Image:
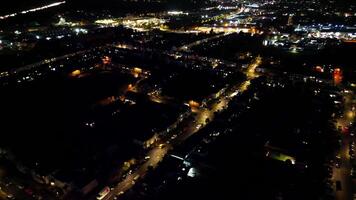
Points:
x=29 y=191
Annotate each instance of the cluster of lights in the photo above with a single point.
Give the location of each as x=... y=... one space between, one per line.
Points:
x=177 y=13
x=227 y=30
x=328 y=31
x=143 y=24
x=63 y=22
x=80 y=30
x=108 y=22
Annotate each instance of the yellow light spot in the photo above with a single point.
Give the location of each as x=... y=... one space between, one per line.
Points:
x=76 y=73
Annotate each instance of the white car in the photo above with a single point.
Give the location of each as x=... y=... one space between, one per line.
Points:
x=199 y=126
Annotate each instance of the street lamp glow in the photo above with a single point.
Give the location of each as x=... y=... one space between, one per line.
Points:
x=350 y=114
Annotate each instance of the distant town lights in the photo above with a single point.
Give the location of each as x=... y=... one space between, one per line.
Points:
x=175 y=12
x=80 y=30
x=32 y=10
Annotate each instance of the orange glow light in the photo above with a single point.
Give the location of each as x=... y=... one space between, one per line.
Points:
x=76 y=73
x=319 y=69
x=106 y=60
x=337 y=75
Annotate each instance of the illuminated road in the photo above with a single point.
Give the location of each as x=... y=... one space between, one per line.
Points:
x=342 y=174
x=32 y=10
x=52 y=60
x=201 y=114
x=158 y=152
x=3 y=195
x=196 y=43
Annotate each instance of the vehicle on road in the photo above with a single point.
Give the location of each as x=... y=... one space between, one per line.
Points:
x=29 y=191
x=103 y=193
x=338 y=161
x=174 y=137
x=21 y=187
x=199 y=126
x=353 y=172
x=136 y=177
x=10 y=196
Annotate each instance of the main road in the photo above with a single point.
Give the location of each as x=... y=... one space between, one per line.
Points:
x=342 y=173
x=157 y=153
x=199 y=42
